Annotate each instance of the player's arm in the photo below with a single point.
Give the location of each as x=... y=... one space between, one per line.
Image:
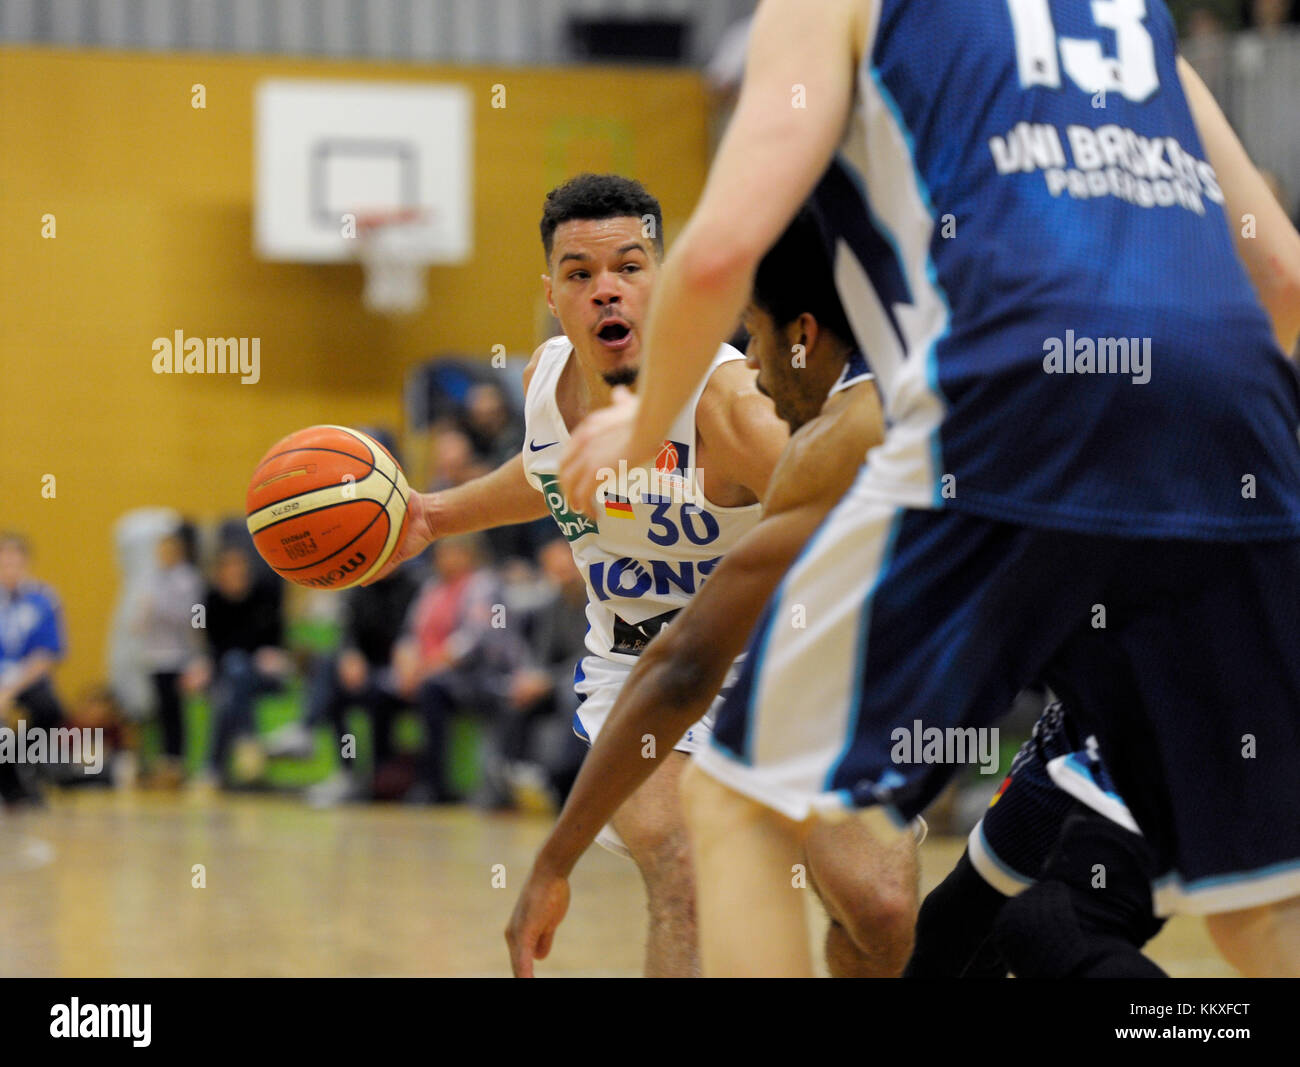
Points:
x=740 y=431
x=502 y=497
x=682 y=669
x=794 y=104
x=1272 y=255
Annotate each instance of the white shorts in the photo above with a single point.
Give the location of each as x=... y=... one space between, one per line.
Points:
x=598 y=682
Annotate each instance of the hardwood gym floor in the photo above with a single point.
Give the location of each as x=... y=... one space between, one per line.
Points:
x=100 y=884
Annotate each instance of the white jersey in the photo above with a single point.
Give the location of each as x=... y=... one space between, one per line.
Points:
x=655 y=538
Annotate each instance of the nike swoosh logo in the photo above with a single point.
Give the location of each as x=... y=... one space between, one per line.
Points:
x=538 y=448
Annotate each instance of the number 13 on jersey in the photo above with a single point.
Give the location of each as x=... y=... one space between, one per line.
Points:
x=1131 y=73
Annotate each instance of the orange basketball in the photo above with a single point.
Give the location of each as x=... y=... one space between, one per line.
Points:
x=327 y=506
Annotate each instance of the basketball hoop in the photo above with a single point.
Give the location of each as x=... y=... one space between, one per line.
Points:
x=392 y=250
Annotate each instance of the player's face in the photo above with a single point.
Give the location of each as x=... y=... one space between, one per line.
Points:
x=602 y=273
x=781 y=374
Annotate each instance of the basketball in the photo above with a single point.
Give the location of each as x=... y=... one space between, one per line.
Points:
x=326 y=507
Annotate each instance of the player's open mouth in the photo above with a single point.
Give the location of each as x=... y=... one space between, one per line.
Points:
x=615 y=334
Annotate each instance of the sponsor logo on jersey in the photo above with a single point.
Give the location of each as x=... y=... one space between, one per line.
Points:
x=672 y=460
x=1110 y=160
x=572 y=524
x=630 y=638
x=631 y=579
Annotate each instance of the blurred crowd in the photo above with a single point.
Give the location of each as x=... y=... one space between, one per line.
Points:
x=1248 y=54
x=482 y=628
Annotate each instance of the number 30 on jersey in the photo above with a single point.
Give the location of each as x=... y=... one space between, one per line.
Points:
x=1131 y=73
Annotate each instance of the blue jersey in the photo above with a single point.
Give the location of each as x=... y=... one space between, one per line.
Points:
x=30 y=621
x=1033 y=252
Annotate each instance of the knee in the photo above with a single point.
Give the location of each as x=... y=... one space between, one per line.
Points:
x=869 y=888
x=873 y=940
x=660 y=847
x=883 y=921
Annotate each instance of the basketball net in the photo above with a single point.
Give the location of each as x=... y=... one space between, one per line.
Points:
x=391 y=250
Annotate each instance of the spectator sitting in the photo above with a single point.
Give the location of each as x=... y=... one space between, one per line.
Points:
x=170 y=642
x=246 y=658
x=452 y=461
x=495 y=433
x=112 y=759
x=1268 y=17
x=544 y=751
x=31 y=643
x=1267 y=22
x=359 y=674
x=457 y=653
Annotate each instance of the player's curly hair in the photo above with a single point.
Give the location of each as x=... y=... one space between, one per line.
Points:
x=796 y=276
x=599 y=196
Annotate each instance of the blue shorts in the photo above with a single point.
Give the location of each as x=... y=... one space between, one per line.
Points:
x=1183 y=658
x=1054 y=772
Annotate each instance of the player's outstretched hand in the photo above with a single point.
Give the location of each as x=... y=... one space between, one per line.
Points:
x=538 y=912
x=597 y=444
x=417 y=539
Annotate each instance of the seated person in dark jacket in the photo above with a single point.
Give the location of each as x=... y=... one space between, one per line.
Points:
x=358 y=675
x=543 y=750
x=246 y=658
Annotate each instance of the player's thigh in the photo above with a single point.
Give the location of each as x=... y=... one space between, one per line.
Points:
x=864 y=878
x=745 y=855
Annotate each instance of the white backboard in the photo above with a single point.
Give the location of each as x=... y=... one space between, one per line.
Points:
x=326 y=149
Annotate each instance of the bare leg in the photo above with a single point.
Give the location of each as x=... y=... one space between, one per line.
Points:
x=870 y=890
x=653 y=828
x=1261 y=942
x=752 y=922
